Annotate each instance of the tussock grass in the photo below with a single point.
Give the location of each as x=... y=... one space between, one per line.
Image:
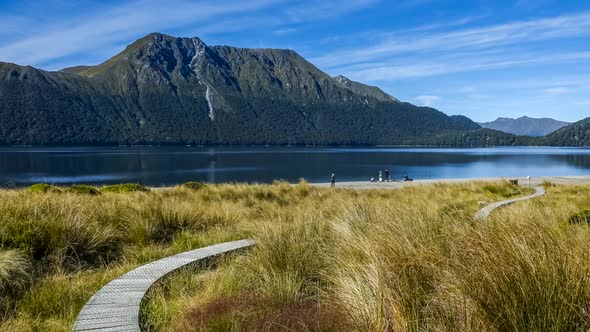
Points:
x=123 y=188
x=194 y=185
x=409 y=260
x=580 y=217
x=82 y=189
x=15 y=278
x=504 y=189
x=325 y=259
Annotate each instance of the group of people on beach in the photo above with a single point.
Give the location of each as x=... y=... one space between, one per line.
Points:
x=386 y=177
x=383 y=177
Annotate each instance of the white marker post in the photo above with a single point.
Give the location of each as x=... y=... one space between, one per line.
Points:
x=529 y=179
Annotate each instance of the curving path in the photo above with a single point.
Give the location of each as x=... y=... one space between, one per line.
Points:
x=115 y=307
x=485 y=212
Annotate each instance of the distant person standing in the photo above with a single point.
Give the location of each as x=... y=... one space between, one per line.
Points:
x=380 y=176
x=333 y=181
x=387 y=177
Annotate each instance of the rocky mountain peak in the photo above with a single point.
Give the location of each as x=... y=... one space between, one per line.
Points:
x=342 y=79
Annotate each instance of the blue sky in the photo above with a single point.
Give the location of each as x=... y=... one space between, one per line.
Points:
x=480 y=58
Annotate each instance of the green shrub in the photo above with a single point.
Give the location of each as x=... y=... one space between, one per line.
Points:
x=505 y=190
x=124 y=188
x=580 y=217
x=491 y=189
x=194 y=185
x=83 y=189
x=43 y=188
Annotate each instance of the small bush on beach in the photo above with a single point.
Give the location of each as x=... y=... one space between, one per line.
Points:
x=124 y=188
x=43 y=188
x=194 y=185
x=82 y=189
x=505 y=189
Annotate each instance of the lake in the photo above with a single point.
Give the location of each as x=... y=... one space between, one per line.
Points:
x=161 y=166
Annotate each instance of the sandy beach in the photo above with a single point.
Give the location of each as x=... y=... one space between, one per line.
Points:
x=396 y=185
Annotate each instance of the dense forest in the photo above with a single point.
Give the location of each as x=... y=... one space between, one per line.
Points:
x=576 y=134
x=476 y=138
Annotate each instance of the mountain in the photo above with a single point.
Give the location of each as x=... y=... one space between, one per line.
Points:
x=525 y=126
x=483 y=137
x=575 y=134
x=166 y=90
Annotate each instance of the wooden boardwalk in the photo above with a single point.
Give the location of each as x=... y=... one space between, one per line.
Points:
x=115 y=307
x=485 y=212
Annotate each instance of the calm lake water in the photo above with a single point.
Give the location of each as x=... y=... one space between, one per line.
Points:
x=159 y=166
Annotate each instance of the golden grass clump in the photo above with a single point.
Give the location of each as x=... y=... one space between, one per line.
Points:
x=525 y=276
x=15 y=278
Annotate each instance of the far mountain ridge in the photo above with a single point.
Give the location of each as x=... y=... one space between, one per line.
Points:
x=525 y=126
x=575 y=134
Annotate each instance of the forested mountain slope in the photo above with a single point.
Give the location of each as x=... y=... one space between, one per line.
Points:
x=166 y=90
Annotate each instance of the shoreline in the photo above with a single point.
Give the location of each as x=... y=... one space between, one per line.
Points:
x=535 y=181
x=523 y=181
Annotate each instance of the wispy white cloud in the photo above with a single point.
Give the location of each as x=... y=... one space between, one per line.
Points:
x=432 y=52
x=304 y=11
x=555 y=90
x=531 y=4
x=426 y=100
x=13 y=25
x=467 y=89
x=285 y=31
x=381 y=71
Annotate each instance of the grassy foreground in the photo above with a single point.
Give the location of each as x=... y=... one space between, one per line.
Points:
x=326 y=260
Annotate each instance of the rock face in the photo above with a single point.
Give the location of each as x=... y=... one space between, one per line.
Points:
x=166 y=90
x=525 y=126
